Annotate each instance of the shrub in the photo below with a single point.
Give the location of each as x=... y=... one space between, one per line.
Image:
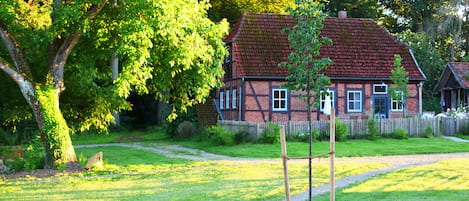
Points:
x=298 y=137
x=34 y=155
x=221 y=136
x=373 y=131
x=271 y=134
x=428 y=132
x=186 y=129
x=171 y=128
x=241 y=137
x=8 y=138
x=341 y=130
x=400 y=133
x=14 y=159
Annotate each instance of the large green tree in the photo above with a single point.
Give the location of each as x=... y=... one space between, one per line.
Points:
x=58 y=52
x=233 y=9
x=431 y=63
x=355 y=8
x=440 y=20
x=304 y=67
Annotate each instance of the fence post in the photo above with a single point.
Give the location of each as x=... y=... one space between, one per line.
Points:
x=283 y=143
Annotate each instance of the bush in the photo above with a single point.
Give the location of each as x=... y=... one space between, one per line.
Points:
x=8 y=138
x=298 y=137
x=428 y=132
x=241 y=137
x=400 y=133
x=303 y=136
x=34 y=155
x=14 y=158
x=186 y=129
x=221 y=136
x=171 y=128
x=271 y=134
x=341 y=130
x=373 y=131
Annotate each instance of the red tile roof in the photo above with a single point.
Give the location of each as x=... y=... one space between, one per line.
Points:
x=361 y=48
x=460 y=70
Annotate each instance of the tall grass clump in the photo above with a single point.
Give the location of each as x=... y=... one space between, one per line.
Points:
x=220 y=136
x=400 y=133
x=341 y=130
x=271 y=134
x=373 y=131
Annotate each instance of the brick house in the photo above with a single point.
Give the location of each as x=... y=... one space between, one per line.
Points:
x=453 y=86
x=362 y=55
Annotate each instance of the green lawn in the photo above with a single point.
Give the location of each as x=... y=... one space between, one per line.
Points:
x=347 y=148
x=130 y=174
x=383 y=146
x=158 y=178
x=445 y=180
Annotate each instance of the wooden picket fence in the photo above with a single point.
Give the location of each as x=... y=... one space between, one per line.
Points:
x=357 y=127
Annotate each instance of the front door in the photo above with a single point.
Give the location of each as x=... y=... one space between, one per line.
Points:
x=380 y=107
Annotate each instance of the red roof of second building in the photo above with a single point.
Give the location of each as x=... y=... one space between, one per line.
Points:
x=361 y=48
x=460 y=70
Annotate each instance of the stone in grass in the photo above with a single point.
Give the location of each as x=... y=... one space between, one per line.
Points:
x=3 y=169
x=95 y=161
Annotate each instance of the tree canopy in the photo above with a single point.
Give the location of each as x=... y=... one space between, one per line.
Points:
x=233 y=9
x=59 y=52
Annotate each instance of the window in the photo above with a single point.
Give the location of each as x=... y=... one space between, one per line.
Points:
x=222 y=100
x=396 y=104
x=279 y=99
x=227 y=100
x=354 y=101
x=380 y=89
x=233 y=99
x=322 y=101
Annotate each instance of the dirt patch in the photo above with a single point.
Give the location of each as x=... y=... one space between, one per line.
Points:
x=129 y=139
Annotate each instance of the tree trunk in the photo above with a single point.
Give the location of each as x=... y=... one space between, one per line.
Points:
x=55 y=133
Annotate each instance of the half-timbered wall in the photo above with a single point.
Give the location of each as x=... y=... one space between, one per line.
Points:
x=254 y=101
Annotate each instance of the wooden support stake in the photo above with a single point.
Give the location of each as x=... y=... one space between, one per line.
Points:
x=283 y=143
x=332 y=147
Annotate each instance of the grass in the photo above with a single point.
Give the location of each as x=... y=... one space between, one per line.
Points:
x=462 y=136
x=384 y=146
x=114 y=137
x=130 y=174
x=380 y=147
x=445 y=180
x=155 y=177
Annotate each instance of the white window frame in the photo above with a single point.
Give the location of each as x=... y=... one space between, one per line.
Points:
x=222 y=100
x=233 y=99
x=380 y=85
x=398 y=103
x=322 y=100
x=360 y=101
x=227 y=99
x=279 y=99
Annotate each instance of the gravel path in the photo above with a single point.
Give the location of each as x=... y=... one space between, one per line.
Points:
x=397 y=162
x=170 y=151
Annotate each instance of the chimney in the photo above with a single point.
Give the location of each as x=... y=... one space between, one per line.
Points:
x=342 y=14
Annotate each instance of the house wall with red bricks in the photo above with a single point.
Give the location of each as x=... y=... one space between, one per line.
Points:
x=256 y=101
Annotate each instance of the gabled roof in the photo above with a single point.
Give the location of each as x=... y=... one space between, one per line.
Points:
x=453 y=76
x=361 y=48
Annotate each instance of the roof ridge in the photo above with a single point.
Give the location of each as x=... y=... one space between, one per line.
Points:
x=237 y=28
